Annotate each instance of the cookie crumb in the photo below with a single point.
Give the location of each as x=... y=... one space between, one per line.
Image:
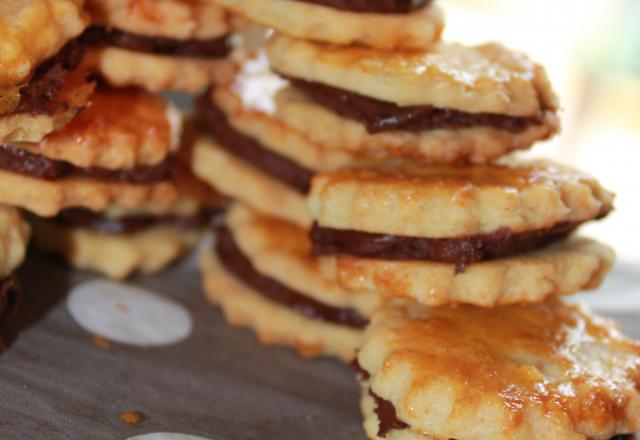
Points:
x=101 y=342
x=132 y=417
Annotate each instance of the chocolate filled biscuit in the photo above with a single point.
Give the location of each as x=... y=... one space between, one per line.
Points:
x=119 y=150
x=416 y=103
x=121 y=239
x=268 y=264
x=118 y=243
x=482 y=234
x=214 y=122
x=159 y=45
x=41 y=85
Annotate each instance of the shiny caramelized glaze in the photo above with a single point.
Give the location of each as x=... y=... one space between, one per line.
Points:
x=134 y=114
x=550 y=354
x=462 y=178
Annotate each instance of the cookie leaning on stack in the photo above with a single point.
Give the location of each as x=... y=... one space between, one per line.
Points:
x=547 y=370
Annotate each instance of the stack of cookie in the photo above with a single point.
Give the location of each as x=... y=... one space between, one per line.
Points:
x=369 y=178
x=100 y=168
x=262 y=271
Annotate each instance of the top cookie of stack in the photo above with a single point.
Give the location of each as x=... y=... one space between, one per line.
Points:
x=373 y=78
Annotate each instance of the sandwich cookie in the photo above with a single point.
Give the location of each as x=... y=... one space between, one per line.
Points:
x=451 y=103
x=549 y=371
x=119 y=241
x=382 y=24
x=251 y=154
x=14 y=236
x=482 y=234
x=261 y=272
x=117 y=151
x=41 y=86
x=159 y=44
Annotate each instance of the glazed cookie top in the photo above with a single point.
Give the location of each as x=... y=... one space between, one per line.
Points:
x=55 y=22
x=476 y=79
x=179 y=19
x=362 y=24
x=119 y=129
x=282 y=251
x=14 y=236
x=407 y=198
x=504 y=373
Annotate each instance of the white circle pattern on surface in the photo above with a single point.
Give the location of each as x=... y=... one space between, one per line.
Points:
x=166 y=436
x=128 y=314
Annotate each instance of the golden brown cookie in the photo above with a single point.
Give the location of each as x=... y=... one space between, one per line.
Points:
x=156 y=73
x=14 y=236
x=55 y=22
x=480 y=79
x=47 y=198
x=282 y=251
x=240 y=180
x=331 y=132
x=418 y=29
x=115 y=255
x=177 y=19
x=119 y=129
x=408 y=198
x=31 y=124
x=563 y=268
x=503 y=373
x=273 y=323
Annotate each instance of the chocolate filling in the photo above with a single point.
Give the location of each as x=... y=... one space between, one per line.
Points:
x=206 y=48
x=9 y=296
x=23 y=162
x=460 y=251
x=86 y=219
x=287 y=171
x=387 y=417
x=379 y=116
x=376 y=6
x=239 y=265
x=39 y=95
